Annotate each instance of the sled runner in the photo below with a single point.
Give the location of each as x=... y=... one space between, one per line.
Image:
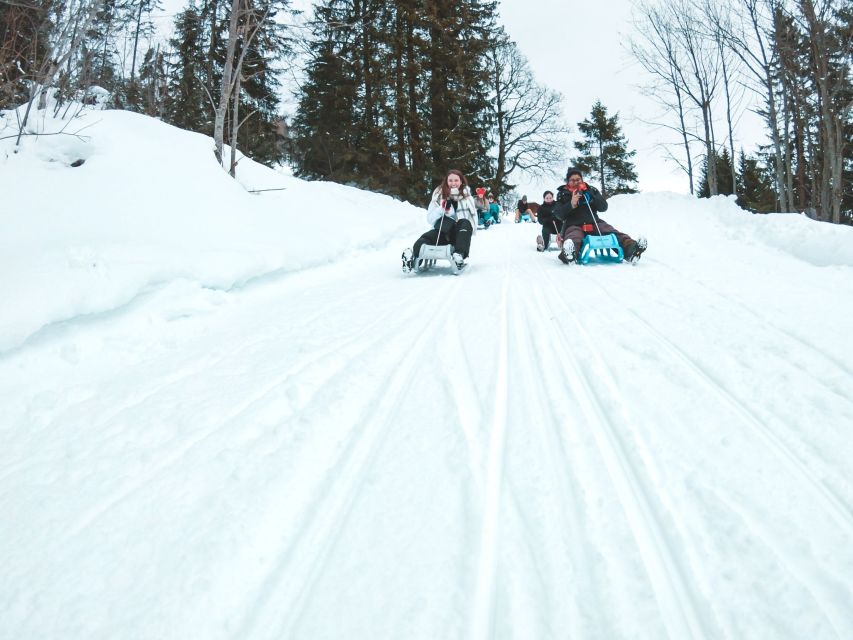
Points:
x=429 y=256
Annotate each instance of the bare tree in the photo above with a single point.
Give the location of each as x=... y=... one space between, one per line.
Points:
x=71 y=23
x=684 y=60
x=699 y=78
x=529 y=128
x=243 y=26
x=655 y=49
x=749 y=36
x=834 y=89
x=718 y=27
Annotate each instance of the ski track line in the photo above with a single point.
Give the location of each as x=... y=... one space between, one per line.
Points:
x=305 y=322
x=604 y=374
x=831 y=502
x=677 y=601
x=468 y=416
x=697 y=370
x=552 y=445
x=281 y=276
x=825 y=600
x=178 y=453
x=132 y=403
x=283 y=595
x=768 y=321
x=483 y=614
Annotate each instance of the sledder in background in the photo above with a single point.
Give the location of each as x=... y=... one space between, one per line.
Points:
x=525 y=211
x=494 y=209
x=550 y=225
x=578 y=205
x=484 y=213
x=452 y=213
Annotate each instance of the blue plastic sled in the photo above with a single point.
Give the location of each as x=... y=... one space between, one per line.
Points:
x=600 y=248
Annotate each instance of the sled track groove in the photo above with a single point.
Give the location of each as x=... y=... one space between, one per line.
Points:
x=180 y=452
x=556 y=457
x=283 y=595
x=135 y=401
x=767 y=321
x=469 y=418
x=483 y=615
x=139 y=399
x=831 y=502
x=824 y=593
x=674 y=594
x=840 y=512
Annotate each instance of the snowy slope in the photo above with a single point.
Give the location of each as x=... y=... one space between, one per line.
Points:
x=150 y=206
x=526 y=451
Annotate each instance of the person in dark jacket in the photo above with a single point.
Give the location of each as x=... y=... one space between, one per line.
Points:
x=549 y=223
x=578 y=206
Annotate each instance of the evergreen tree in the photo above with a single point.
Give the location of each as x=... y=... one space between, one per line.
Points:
x=604 y=153
x=460 y=37
x=394 y=95
x=24 y=33
x=188 y=103
x=323 y=130
x=100 y=64
x=755 y=186
x=151 y=85
x=195 y=74
x=724 y=176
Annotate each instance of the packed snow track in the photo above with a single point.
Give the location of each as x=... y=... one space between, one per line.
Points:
x=529 y=450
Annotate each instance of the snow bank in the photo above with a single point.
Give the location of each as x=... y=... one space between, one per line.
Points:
x=682 y=219
x=150 y=205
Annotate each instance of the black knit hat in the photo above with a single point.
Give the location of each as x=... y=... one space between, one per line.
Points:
x=573 y=171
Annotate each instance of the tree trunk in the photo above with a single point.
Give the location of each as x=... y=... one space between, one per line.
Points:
x=214 y=41
x=53 y=61
x=227 y=83
x=789 y=171
x=399 y=94
x=832 y=121
x=413 y=118
x=710 y=152
x=500 y=164
x=729 y=114
x=136 y=39
x=235 y=126
x=437 y=90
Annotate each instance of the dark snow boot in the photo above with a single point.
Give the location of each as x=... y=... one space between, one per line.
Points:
x=408 y=263
x=567 y=253
x=634 y=249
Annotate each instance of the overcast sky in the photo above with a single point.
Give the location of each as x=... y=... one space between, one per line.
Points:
x=580 y=49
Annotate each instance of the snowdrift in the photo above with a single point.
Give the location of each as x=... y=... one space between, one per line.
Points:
x=148 y=206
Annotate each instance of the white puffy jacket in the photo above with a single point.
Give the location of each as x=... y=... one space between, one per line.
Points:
x=466 y=209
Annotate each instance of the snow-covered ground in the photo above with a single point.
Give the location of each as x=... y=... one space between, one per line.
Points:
x=226 y=415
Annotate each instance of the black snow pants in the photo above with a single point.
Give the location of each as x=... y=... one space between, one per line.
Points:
x=455 y=232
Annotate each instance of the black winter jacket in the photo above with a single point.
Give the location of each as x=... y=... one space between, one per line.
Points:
x=546 y=213
x=581 y=214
